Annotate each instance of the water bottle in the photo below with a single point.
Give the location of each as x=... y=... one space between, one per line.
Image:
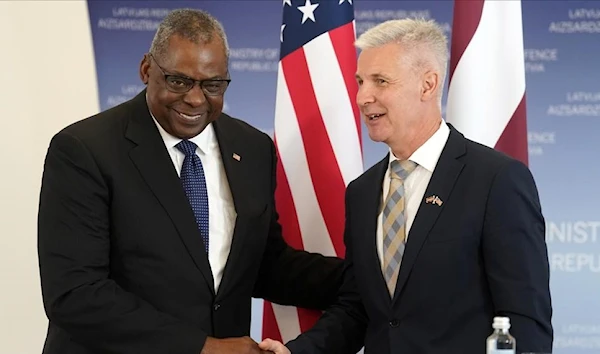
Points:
x=501 y=342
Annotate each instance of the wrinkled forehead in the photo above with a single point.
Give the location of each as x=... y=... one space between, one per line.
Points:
x=195 y=60
x=379 y=61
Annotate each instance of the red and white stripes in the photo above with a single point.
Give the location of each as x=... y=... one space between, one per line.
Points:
x=486 y=94
x=317 y=134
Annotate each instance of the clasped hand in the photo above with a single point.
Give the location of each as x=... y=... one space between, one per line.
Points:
x=240 y=345
x=273 y=346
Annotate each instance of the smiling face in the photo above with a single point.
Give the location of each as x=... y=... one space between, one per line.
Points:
x=395 y=96
x=185 y=115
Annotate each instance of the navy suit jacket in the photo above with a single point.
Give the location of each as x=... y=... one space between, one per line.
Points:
x=480 y=254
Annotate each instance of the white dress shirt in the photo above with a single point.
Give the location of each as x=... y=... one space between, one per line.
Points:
x=221 y=211
x=426 y=157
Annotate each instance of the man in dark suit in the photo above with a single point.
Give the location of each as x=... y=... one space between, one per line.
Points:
x=157 y=221
x=441 y=235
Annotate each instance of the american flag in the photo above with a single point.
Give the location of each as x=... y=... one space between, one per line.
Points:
x=486 y=96
x=317 y=135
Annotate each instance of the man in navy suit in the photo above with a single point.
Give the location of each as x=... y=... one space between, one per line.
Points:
x=443 y=233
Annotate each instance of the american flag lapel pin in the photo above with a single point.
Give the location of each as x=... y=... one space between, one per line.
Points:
x=434 y=199
x=236 y=157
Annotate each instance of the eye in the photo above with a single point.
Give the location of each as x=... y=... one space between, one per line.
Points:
x=214 y=86
x=178 y=81
x=380 y=81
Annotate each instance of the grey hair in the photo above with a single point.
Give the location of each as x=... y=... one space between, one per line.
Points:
x=192 y=24
x=412 y=34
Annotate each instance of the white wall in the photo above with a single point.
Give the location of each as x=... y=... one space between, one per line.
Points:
x=47 y=80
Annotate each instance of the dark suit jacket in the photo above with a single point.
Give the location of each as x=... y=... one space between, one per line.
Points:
x=481 y=253
x=122 y=263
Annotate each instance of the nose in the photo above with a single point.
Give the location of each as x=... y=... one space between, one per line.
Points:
x=195 y=97
x=364 y=96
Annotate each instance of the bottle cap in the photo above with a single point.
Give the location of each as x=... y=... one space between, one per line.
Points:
x=501 y=323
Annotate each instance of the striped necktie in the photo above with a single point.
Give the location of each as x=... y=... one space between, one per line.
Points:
x=394 y=222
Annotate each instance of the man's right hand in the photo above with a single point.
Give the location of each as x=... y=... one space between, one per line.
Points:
x=273 y=346
x=240 y=345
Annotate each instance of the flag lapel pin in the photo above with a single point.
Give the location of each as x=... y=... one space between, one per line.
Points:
x=434 y=199
x=236 y=157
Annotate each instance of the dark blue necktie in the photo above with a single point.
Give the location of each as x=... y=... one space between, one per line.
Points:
x=194 y=184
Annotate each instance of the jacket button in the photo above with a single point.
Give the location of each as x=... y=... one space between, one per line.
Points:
x=394 y=323
x=216 y=306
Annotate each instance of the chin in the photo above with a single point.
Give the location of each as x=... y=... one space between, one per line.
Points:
x=191 y=132
x=378 y=137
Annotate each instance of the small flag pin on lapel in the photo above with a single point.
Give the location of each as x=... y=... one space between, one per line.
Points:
x=237 y=157
x=434 y=199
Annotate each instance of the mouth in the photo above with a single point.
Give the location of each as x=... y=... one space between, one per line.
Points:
x=374 y=117
x=191 y=118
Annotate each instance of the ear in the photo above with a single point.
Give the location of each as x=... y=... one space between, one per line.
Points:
x=429 y=85
x=145 y=69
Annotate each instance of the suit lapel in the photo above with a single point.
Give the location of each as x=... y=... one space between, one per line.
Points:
x=441 y=184
x=368 y=211
x=236 y=155
x=155 y=165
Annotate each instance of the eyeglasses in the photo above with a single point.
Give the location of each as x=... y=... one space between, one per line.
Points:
x=182 y=84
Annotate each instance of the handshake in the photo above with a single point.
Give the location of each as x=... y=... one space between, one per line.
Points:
x=273 y=346
x=243 y=345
